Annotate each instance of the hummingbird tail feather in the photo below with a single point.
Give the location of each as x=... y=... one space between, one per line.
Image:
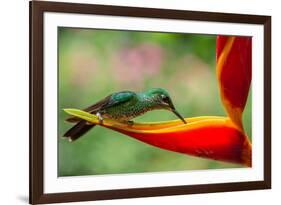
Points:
x=78 y=130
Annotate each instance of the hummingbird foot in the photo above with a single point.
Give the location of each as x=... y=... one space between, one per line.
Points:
x=99 y=117
x=130 y=123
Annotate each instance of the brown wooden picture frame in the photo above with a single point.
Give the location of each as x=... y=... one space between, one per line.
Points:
x=37 y=9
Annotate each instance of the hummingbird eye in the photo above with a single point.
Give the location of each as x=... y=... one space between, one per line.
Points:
x=165 y=98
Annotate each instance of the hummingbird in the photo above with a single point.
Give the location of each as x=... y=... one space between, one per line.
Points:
x=123 y=107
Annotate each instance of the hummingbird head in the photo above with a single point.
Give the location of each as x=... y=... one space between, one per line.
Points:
x=163 y=101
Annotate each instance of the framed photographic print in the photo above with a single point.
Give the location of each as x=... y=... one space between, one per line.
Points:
x=135 y=102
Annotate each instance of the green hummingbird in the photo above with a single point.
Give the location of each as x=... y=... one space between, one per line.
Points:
x=123 y=106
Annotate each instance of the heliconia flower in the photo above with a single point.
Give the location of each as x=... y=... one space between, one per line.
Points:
x=212 y=137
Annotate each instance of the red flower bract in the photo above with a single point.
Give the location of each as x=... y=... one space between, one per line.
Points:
x=234 y=70
x=208 y=138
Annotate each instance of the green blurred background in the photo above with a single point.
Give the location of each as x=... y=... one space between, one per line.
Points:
x=95 y=63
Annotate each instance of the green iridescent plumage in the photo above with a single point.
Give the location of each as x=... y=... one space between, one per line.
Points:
x=123 y=106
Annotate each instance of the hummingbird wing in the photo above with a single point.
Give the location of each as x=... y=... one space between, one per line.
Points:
x=81 y=127
x=109 y=101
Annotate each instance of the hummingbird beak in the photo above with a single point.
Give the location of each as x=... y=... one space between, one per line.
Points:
x=179 y=116
x=172 y=108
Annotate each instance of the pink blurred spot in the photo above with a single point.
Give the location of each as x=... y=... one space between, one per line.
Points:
x=134 y=65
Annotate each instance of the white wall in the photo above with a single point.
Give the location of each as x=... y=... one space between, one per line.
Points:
x=14 y=101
